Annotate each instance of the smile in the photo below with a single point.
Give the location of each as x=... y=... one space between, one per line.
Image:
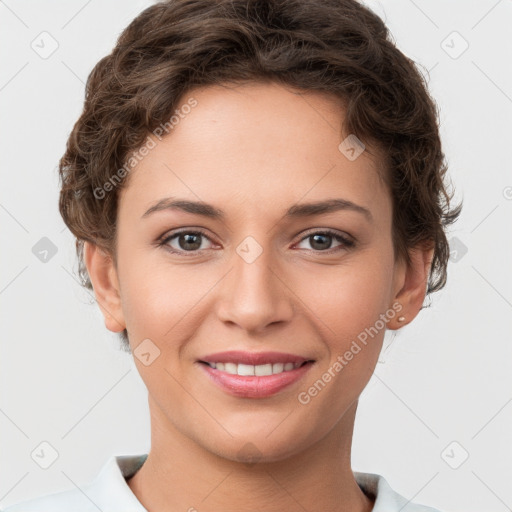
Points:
x=255 y=381
x=260 y=370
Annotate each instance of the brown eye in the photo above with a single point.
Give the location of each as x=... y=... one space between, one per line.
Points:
x=185 y=241
x=322 y=241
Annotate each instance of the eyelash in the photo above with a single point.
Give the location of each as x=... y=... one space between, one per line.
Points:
x=347 y=243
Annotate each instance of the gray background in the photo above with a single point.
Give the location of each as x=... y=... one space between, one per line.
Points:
x=442 y=390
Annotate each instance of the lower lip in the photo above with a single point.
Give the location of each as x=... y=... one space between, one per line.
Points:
x=255 y=386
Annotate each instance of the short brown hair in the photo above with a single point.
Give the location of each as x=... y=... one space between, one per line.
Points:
x=333 y=46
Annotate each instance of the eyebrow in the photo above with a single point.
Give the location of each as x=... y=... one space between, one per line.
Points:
x=295 y=211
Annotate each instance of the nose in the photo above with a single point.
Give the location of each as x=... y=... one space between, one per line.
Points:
x=254 y=296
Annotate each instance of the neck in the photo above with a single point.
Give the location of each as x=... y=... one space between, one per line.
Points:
x=179 y=474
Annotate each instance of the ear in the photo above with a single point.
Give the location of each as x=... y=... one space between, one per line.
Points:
x=105 y=283
x=411 y=284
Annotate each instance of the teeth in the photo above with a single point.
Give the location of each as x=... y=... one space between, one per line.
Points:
x=277 y=367
x=263 y=369
x=260 y=370
x=246 y=369
x=228 y=368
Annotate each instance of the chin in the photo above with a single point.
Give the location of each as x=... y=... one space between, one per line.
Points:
x=255 y=450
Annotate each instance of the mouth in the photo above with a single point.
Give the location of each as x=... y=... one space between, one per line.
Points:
x=253 y=374
x=260 y=370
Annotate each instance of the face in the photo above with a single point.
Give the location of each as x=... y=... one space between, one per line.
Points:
x=256 y=271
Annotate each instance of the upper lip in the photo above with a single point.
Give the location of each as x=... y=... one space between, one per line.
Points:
x=253 y=358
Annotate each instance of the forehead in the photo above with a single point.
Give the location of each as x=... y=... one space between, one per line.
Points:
x=258 y=144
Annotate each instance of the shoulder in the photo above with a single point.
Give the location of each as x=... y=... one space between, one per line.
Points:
x=387 y=499
x=62 y=501
x=108 y=492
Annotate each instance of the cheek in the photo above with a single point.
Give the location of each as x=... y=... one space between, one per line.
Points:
x=148 y=295
x=349 y=298
x=158 y=299
x=347 y=309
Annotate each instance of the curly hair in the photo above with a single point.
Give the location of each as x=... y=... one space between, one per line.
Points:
x=338 y=47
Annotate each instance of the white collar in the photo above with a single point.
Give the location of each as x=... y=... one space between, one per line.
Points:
x=109 y=492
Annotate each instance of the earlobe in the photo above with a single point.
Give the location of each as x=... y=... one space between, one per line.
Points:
x=413 y=281
x=103 y=275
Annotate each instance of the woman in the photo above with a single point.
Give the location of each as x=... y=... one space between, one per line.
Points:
x=257 y=193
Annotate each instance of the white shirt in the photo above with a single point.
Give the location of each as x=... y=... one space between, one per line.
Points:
x=109 y=492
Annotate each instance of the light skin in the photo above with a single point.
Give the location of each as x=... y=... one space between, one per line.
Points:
x=254 y=151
